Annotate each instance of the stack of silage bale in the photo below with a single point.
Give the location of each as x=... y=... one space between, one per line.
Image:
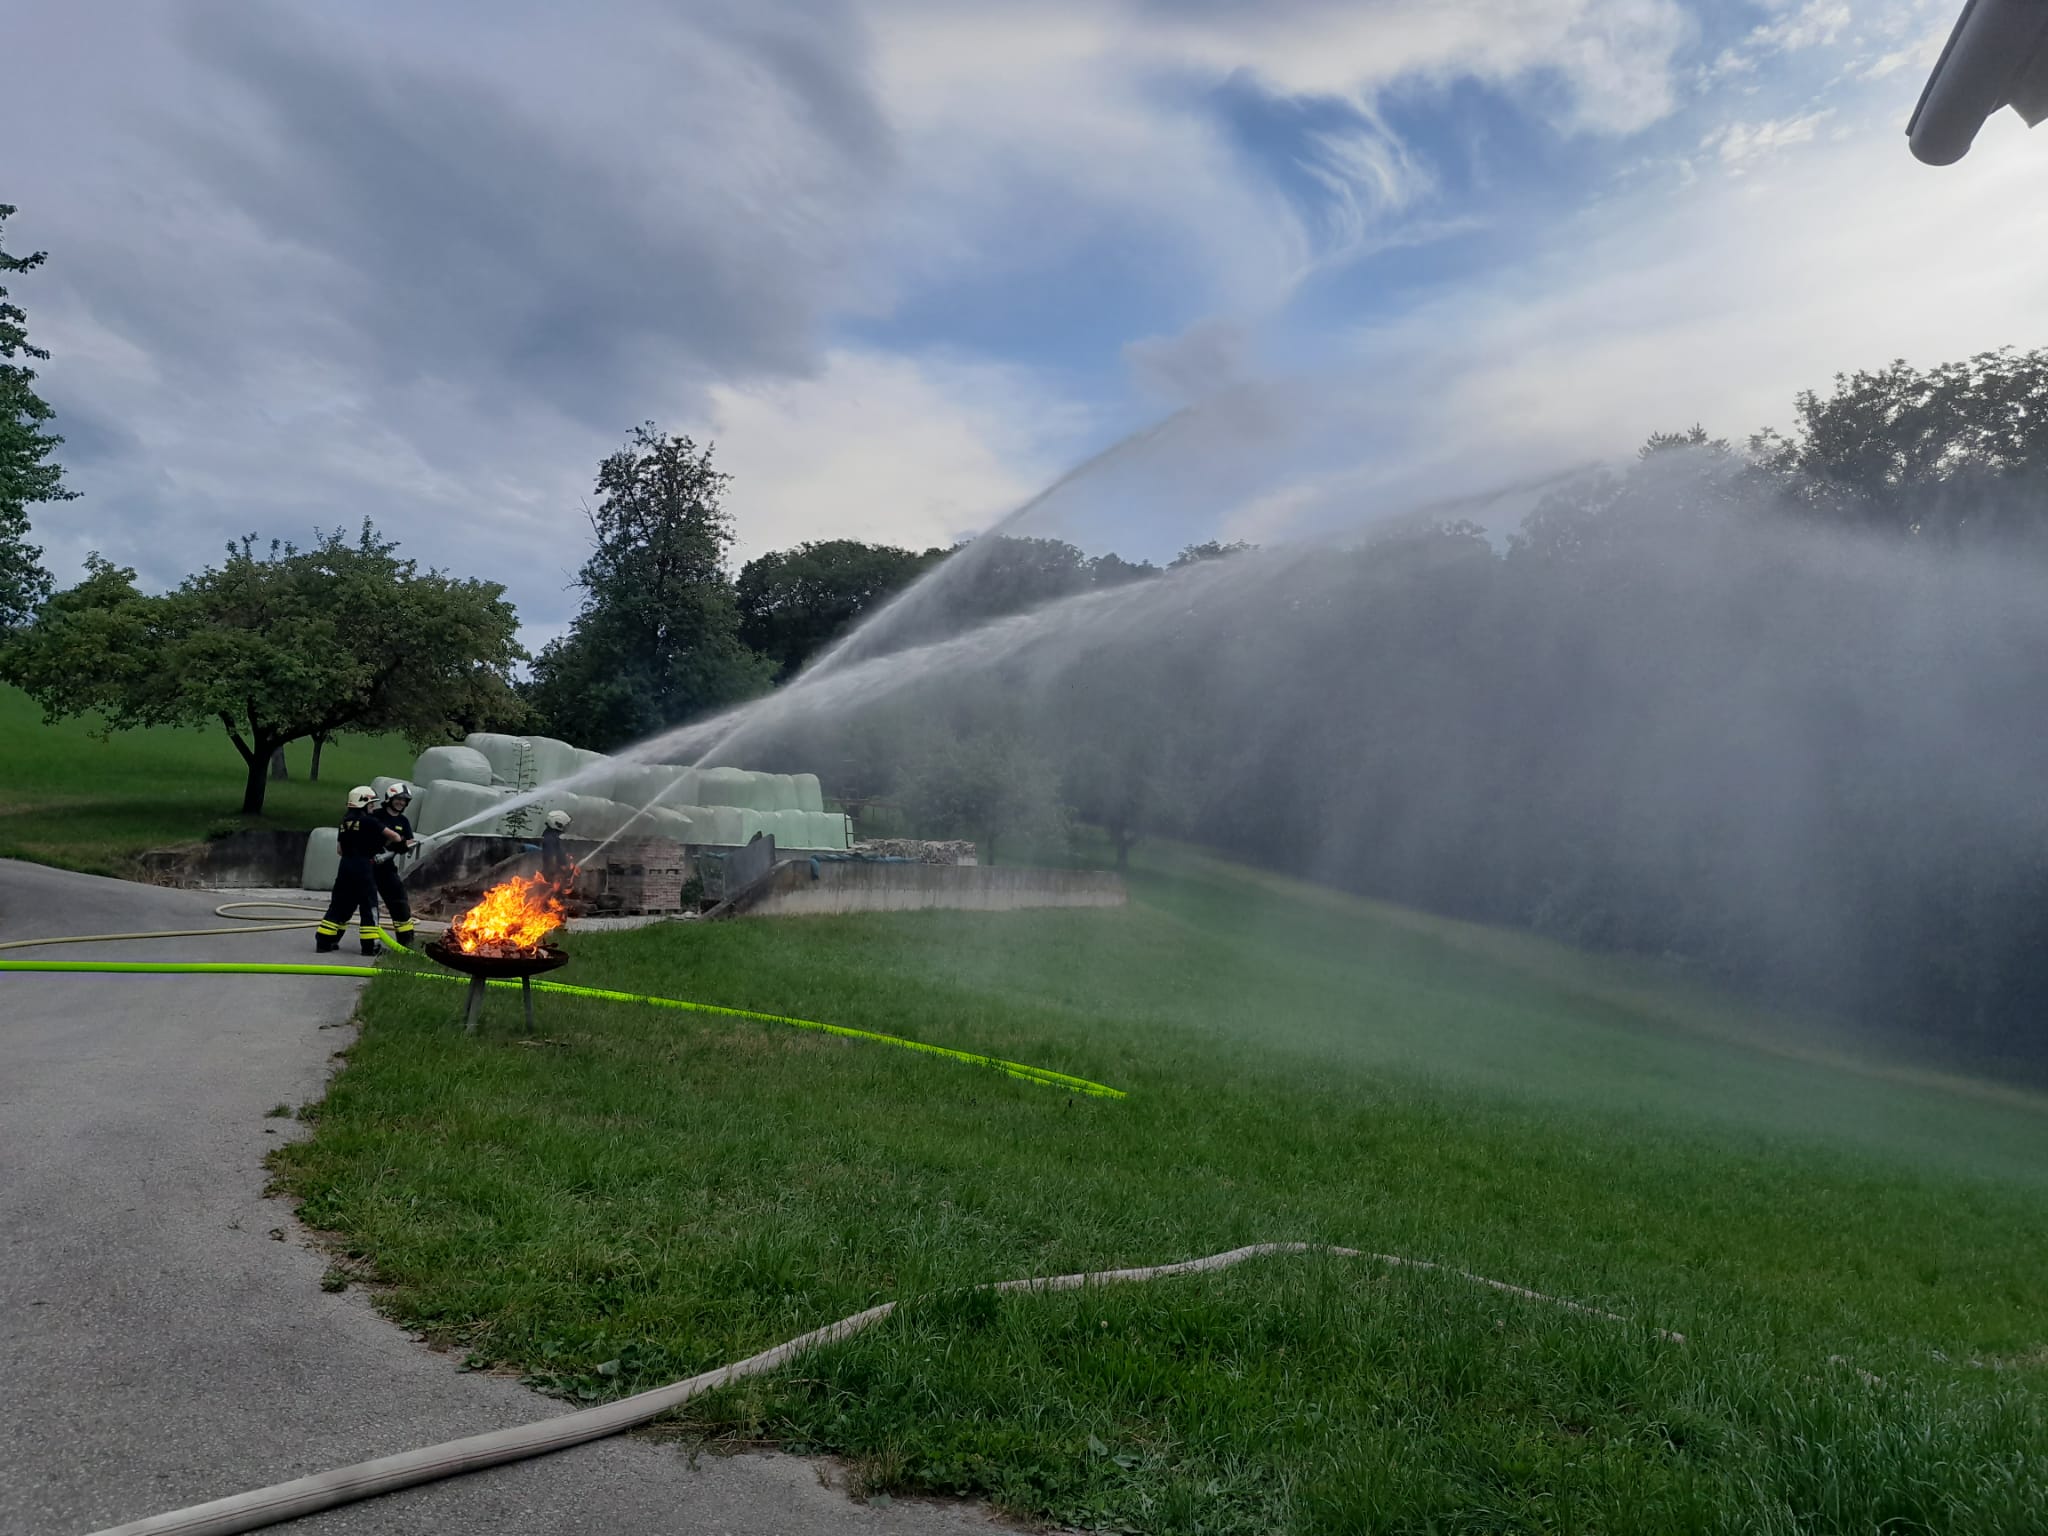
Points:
x=605 y=797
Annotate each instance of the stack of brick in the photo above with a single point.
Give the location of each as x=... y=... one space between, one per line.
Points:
x=644 y=876
x=923 y=850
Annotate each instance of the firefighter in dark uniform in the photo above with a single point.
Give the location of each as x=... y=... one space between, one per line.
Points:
x=554 y=858
x=362 y=837
x=390 y=884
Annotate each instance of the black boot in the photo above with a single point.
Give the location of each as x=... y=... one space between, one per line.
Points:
x=323 y=945
x=371 y=947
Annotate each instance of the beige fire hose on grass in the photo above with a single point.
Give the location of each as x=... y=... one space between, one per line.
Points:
x=387 y=1474
x=231 y=910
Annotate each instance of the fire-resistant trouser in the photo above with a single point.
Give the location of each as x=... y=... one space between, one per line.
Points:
x=391 y=887
x=355 y=891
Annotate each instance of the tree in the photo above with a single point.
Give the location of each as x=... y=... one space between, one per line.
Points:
x=27 y=473
x=657 y=641
x=1195 y=554
x=1128 y=734
x=1694 y=436
x=1114 y=780
x=277 y=647
x=1113 y=570
x=1677 y=477
x=1957 y=452
x=990 y=577
x=986 y=786
x=1006 y=574
x=795 y=602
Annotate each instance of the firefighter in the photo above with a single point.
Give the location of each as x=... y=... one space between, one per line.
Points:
x=361 y=838
x=554 y=860
x=390 y=884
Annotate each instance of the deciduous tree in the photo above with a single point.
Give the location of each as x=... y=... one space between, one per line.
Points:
x=275 y=647
x=28 y=473
x=795 y=602
x=657 y=641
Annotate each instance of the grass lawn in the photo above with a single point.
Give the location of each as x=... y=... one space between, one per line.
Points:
x=644 y=1193
x=71 y=800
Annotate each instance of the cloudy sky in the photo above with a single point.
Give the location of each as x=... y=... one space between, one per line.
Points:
x=906 y=260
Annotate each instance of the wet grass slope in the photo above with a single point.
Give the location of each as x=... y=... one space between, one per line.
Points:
x=642 y=1194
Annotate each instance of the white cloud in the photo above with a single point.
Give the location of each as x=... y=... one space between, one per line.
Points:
x=1719 y=304
x=1924 y=37
x=1367 y=174
x=999 y=101
x=900 y=450
x=1809 y=24
x=1613 y=56
x=1817 y=21
x=1890 y=63
x=1739 y=144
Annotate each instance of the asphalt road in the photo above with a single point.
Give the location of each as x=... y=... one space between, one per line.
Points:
x=162 y=1327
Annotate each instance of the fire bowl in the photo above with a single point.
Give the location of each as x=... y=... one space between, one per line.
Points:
x=484 y=969
x=497 y=967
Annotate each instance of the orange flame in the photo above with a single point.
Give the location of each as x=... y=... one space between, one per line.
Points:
x=509 y=919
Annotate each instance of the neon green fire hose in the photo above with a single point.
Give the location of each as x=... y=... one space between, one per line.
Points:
x=1044 y=1076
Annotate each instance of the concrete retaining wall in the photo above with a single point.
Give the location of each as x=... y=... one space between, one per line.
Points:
x=252 y=859
x=854 y=887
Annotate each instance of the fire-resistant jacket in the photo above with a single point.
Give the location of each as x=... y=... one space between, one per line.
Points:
x=362 y=835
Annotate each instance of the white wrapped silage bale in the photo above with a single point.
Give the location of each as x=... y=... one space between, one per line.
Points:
x=322 y=862
x=810 y=794
x=649 y=784
x=722 y=786
x=553 y=761
x=828 y=830
x=506 y=754
x=620 y=819
x=623 y=783
x=702 y=820
x=595 y=778
x=670 y=824
x=462 y=765
x=777 y=791
x=720 y=825
x=593 y=819
x=449 y=803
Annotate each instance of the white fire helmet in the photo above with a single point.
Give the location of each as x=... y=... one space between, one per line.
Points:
x=399 y=791
x=558 y=819
x=361 y=798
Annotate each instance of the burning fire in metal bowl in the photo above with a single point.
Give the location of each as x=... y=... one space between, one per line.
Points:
x=510 y=920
